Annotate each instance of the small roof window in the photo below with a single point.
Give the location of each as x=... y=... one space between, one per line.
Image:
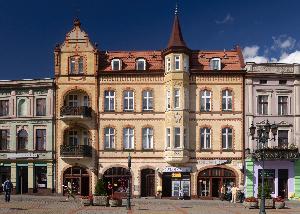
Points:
x=116 y=64
x=141 y=64
x=215 y=64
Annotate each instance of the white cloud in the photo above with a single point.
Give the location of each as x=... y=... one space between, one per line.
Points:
x=228 y=18
x=251 y=54
x=283 y=43
x=290 y=58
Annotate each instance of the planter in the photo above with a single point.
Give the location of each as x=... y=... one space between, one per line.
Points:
x=100 y=200
x=115 y=202
x=250 y=205
x=86 y=201
x=279 y=204
x=269 y=203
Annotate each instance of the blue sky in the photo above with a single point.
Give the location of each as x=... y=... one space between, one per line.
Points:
x=267 y=30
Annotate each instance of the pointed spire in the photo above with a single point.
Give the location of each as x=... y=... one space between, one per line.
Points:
x=176 y=38
x=77 y=22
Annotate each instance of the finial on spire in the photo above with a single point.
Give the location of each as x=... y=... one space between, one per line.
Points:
x=176 y=8
x=76 y=20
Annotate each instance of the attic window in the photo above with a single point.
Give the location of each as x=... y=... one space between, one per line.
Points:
x=116 y=64
x=141 y=64
x=215 y=64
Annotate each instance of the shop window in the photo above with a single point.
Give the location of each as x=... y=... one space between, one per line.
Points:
x=227 y=100
x=147 y=101
x=4 y=107
x=262 y=104
x=109 y=102
x=109 y=138
x=40 y=140
x=269 y=179
x=4 y=139
x=205 y=100
x=283 y=138
x=22 y=140
x=41 y=107
x=41 y=177
x=147 y=138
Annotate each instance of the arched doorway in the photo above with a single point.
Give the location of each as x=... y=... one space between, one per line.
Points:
x=79 y=178
x=116 y=180
x=147 y=183
x=210 y=181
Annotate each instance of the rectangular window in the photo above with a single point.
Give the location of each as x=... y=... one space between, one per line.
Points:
x=205 y=100
x=227 y=100
x=282 y=82
x=109 y=100
x=227 y=138
x=4 y=139
x=73 y=100
x=205 y=138
x=41 y=107
x=80 y=65
x=40 y=177
x=128 y=101
x=147 y=101
x=168 y=64
x=73 y=138
x=176 y=137
x=282 y=105
x=269 y=177
x=177 y=62
x=86 y=101
x=116 y=64
x=262 y=105
x=215 y=64
x=4 y=107
x=72 y=65
x=85 y=137
x=177 y=98
x=168 y=137
x=184 y=138
x=40 y=140
x=283 y=138
x=109 y=138
x=141 y=65
x=168 y=100
x=128 y=137
x=147 y=138
x=263 y=81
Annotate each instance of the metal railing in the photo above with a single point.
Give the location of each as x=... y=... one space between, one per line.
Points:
x=76 y=151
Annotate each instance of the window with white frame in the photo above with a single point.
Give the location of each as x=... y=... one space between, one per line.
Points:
x=262 y=104
x=128 y=138
x=177 y=62
x=227 y=138
x=186 y=63
x=185 y=138
x=176 y=137
x=215 y=64
x=116 y=64
x=168 y=64
x=205 y=138
x=141 y=64
x=147 y=101
x=177 y=98
x=168 y=137
x=109 y=135
x=226 y=100
x=4 y=107
x=282 y=105
x=22 y=107
x=128 y=101
x=4 y=139
x=147 y=138
x=205 y=100
x=73 y=100
x=109 y=100
x=168 y=100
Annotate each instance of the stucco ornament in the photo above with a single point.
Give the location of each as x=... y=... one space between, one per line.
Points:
x=178 y=117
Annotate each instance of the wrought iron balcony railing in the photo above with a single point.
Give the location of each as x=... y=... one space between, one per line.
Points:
x=83 y=111
x=277 y=153
x=75 y=151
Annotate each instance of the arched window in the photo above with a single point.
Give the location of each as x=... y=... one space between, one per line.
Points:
x=22 y=140
x=22 y=107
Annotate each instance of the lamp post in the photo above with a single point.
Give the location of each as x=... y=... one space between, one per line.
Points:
x=262 y=137
x=129 y=184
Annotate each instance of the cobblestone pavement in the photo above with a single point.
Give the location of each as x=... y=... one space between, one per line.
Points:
x=58 y=205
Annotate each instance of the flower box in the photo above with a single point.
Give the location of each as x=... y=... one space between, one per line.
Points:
x=250 y=202
x=115 y=202
x=86 y=200
x=279 y=203
x=100 y=200
x=269 y=203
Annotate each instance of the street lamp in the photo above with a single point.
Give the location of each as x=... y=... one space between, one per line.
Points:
x=262 y=137
x=129 y=184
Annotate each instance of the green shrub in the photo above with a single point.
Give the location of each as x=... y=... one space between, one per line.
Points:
x=267 y=190
x=100 y=188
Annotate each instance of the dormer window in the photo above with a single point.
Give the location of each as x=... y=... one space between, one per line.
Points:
x=116 y=64
x=76 y=65
x=141 y=64
x=177 y=62
x=215 y=64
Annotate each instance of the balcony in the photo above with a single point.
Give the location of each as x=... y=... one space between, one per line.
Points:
x=277 y=153
x=80 y=151
x=70 y=112
x=176 y=156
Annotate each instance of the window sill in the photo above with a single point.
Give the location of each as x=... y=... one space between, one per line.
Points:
x=128 y=110
x=109 y=149
x=205 y=150
x=147 y=150
x=227 y=150
x=109 y=111
x=149 y=110
x=128 y=150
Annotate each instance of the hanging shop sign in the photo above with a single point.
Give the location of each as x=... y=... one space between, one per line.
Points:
x=21 y=155
x=177 y=169
x=176 y=175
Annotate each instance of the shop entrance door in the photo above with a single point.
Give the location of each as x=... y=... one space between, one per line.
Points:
x=283 y=175
x=215 y=187
x=181 y=188
x=147 y=183
x=22 y=179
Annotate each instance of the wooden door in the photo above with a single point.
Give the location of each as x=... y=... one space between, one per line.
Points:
x=150 y=185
